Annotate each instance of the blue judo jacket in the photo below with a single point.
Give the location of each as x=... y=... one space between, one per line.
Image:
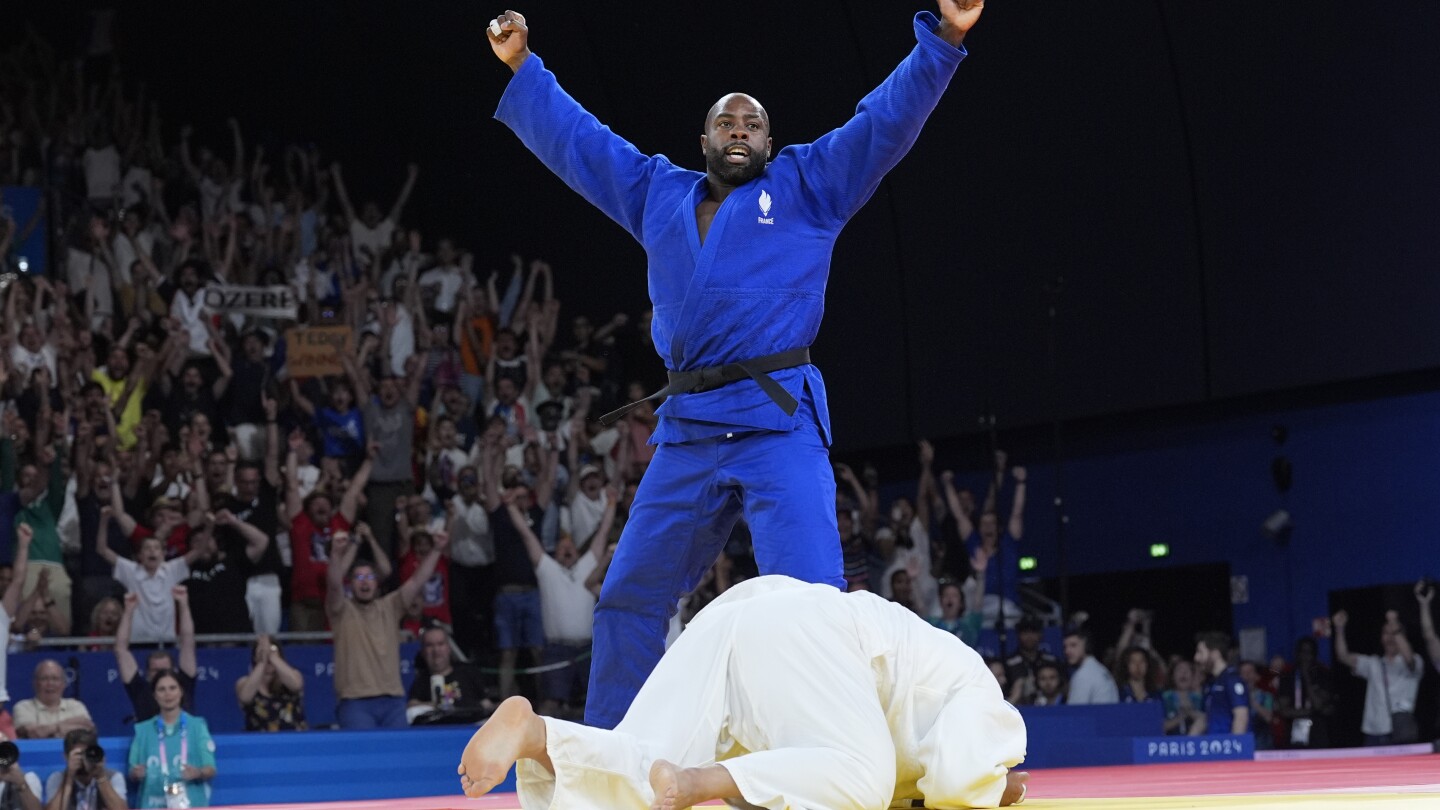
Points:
x=757 y=284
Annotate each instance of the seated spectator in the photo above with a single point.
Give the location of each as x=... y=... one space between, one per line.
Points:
x=1227 y=701
x=1027 y=659
x=180 y=743
x=1136 y=674
x=367 y=643
x=443 y=686
x=1090 y=682
x=272 y=694
x=137 y=683
x=85 y=783
x=1049 y=684
x=50 y=714
x=19 y=788
x=1393 y=681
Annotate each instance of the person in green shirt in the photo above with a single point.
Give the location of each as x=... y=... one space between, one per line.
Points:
x=173 y=754
x=41 y=500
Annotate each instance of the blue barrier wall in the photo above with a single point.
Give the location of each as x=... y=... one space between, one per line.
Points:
x=1362 y=503
x=312 y=767
x=219 y=668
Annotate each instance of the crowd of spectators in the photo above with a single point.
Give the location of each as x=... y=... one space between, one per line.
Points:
x=440 y=470
x=166 y=473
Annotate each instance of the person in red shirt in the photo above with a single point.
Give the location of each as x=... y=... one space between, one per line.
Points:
x=315 y=523
x=433 y=601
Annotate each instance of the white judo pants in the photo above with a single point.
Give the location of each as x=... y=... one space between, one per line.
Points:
x=790 y=708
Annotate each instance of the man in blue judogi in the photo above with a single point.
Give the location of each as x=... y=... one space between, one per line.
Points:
x=739 y=257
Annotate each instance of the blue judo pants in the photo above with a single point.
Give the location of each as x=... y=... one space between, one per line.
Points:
x=688 y=502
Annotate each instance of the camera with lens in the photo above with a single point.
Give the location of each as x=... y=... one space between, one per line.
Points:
x=94 y=755
x=9 y=754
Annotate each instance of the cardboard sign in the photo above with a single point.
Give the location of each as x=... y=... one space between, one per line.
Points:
x=259 y=302
x=311 y=352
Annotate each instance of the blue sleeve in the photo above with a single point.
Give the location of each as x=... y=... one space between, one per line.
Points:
x=845 y=166
x=601 y=166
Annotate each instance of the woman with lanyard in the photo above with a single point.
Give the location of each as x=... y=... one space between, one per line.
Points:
x=173 y=755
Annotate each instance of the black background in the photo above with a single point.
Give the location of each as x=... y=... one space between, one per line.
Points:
x=1239 y=197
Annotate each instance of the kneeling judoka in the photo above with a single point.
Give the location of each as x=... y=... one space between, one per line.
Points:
x=779 y=694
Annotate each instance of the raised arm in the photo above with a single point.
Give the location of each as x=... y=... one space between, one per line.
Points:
x=925 y=490
x=1425 y=594
x=411 y=172
x=1017 y=506
x=18 y=567
x=410 y=588
x=256 y=541
x=952 y=502
x=532 y=543
x=342 y=194
x=609 y=172
x=601 y=538
x=186 y=632
x=1342 y=648
x=124 y=659
x=350 y=501
x=383 y=568
x=342 y=556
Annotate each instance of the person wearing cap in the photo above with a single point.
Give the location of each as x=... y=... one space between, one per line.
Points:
x=585 y=503
x=904 y=715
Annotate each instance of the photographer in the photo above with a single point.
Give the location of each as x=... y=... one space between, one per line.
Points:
x=85 y=782
x=20 y=789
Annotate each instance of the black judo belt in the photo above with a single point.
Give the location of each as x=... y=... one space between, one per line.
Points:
x=708 y=379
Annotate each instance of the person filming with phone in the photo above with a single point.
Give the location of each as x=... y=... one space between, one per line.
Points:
x=85 y=783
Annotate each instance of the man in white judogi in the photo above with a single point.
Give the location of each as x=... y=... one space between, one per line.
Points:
x=779 y=694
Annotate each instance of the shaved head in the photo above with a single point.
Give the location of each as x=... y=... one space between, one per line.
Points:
x=736 y=140
x=740 y=100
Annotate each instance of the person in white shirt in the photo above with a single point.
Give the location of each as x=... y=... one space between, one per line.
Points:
x=102 y=169
x=370 y=234
x=779 y=694
x=1393 y=679
x=50 y=714
x=153 y=578
x=188 y=307
x=447 y=278
x=30 y=351
x=567 y=605
x=1090 y=682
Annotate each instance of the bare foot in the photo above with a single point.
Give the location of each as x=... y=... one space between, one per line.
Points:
x=677 y=788
x=513 y=732
x=665 y=779
x=1014 y=788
